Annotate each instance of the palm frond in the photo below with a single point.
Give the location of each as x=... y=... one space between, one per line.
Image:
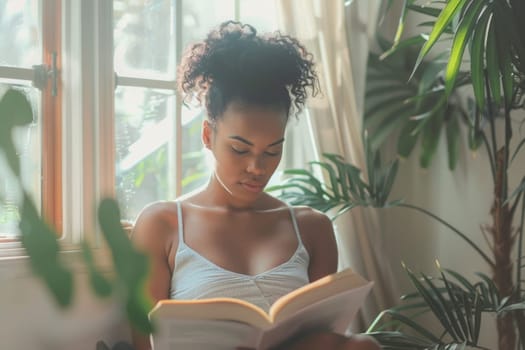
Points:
x=345 y=189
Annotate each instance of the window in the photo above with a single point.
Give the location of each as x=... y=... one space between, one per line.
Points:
x=29 y=47
x=111 y=123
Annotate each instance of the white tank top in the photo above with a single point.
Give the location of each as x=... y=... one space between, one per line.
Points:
x=195 y=277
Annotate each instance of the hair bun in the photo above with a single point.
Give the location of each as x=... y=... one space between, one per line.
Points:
x=236 y=58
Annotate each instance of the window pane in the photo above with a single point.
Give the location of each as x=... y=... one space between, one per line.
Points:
x=28 y=146
x=144 y=38
x=143 y=132
x=260 y=14
x=201 y=16
x=195 y=158
x=20 y=35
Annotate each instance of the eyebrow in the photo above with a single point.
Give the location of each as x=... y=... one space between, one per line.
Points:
x=243 y=140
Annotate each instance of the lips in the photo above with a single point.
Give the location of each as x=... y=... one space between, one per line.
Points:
x=253 y=186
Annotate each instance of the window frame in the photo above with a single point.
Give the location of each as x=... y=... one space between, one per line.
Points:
x=78 y=126
x=50 y=113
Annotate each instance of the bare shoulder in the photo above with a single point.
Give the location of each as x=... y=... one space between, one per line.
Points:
x=318 y=236
x=310 y=215
x=312 y=223
x=154 y=225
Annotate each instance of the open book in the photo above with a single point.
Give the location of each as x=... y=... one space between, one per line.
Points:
x=329 y=303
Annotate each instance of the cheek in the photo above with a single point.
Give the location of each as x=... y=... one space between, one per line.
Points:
x=272 y=163
x=227 y=162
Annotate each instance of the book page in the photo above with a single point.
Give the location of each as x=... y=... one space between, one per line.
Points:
x=177 y=334
x=215 y=308
x=334 y=313
x=339 y=282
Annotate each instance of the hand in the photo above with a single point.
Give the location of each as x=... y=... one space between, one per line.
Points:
x=324 y=340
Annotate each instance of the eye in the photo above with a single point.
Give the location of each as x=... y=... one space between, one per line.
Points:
x=238 y=151
x=272 y=154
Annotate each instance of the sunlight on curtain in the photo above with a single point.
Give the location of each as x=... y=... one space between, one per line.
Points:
x=338 y=38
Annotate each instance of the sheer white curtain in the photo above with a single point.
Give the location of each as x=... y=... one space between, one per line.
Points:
x=338 y=36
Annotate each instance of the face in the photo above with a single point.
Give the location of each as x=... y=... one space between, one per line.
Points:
x=247 y=143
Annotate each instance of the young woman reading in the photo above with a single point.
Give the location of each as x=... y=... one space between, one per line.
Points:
x=231 y=239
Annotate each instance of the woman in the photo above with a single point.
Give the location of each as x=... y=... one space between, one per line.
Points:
x=231 y=239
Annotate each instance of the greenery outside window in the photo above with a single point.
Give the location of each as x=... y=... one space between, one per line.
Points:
x=111 y=123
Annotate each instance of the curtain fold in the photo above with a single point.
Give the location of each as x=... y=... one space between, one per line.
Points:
x=338 y=37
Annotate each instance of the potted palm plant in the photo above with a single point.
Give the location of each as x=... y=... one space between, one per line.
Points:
x=431 y=96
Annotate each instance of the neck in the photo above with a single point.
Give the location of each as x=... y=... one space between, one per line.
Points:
x=217 y=194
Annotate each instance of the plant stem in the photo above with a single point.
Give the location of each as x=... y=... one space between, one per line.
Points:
x=491 y=119
x=508 y=136
x=455 y=230
x=491 y=157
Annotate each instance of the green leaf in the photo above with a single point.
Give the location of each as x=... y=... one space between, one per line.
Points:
x=477 y=318
x=445 y=311
x=517 y=150
x=432 y=302
x=512 y=13
x=430 y=139
x=452 y=132
x=334 y=183
x=341 y=174
x=520 y=189
x=410 y=323
x=430 y=76
x=469 y=316
x=455 y=312
x=395 y=340
x=413 y=41
x=40 y=243
x=15 y=110
x=512 y=307
x=388 y=107
x=137 y=308
x=389 y=123
x=493 y=62
x=131 y=265
x=504 y=53
x=477 y=54
x=426 y=10
x=475 y=139
x=492 y=289
x=99 y=283
x=390 y=177
x=461 y=38
x=401 y=24
x=444 y=18
x=307 y=178
x=407 y=139
x=469 y=286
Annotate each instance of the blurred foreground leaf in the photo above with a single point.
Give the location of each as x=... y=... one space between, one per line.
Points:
x=130 y=265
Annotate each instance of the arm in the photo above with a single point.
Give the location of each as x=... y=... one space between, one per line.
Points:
x=151 y=236
x=318 y=237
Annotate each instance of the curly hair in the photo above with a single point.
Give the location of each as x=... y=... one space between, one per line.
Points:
x=235 y=63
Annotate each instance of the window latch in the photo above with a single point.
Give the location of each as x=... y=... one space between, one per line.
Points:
x=41 y=74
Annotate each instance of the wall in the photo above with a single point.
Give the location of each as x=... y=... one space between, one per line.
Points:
x=31 y=320
x=463 y=198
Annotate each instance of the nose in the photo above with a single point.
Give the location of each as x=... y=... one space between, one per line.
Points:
x=255 y=166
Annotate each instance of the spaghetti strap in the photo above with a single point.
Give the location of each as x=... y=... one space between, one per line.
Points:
x=179 y=220
x=294 y=222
